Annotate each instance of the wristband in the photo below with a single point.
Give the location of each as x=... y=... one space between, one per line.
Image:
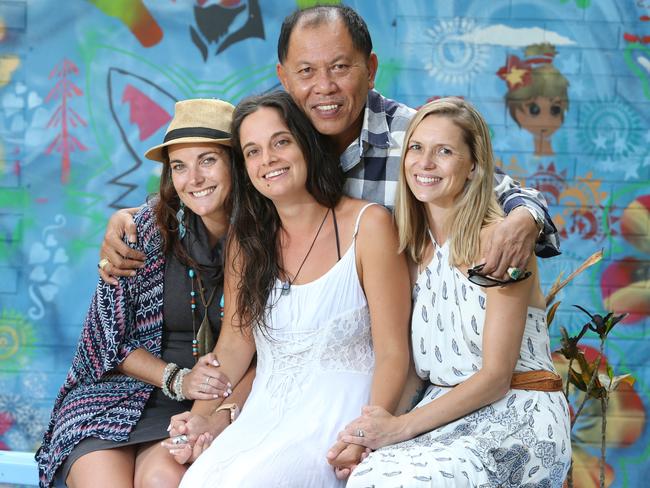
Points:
x=178 y=384
x=234 y=410
x=169 y=374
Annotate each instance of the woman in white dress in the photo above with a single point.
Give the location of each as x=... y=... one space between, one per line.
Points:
x=315 y=286
x=493 y=413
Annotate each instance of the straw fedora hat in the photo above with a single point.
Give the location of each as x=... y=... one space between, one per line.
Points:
x=196 y=120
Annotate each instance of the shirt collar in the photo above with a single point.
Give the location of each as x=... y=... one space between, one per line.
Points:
x=374 y=131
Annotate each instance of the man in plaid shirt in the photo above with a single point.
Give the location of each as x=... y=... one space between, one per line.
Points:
x=327 y=65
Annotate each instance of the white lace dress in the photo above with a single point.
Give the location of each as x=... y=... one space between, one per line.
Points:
x=313 y=376
x=521 y=440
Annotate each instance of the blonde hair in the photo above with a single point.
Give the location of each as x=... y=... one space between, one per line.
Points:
x=473 y=209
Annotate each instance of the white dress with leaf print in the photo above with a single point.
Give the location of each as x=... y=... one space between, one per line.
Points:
x=521 y=440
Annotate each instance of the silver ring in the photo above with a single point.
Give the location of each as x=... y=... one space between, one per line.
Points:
x=515 y=273
x=179 y=439
x=207 y=380
x=360 y=433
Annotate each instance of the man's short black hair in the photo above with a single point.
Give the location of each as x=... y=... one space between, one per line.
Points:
x=321 y=14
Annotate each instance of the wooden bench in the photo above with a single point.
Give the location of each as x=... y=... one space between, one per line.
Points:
x=18 y=468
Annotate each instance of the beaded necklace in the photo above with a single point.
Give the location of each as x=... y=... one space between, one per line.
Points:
x=203 y=340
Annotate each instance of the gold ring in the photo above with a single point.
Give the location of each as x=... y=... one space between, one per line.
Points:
x=102 y=263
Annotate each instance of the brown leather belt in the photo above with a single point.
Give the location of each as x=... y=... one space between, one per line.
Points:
x=539 y=380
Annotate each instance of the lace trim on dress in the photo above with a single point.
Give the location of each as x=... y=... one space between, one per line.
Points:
x=348 y=345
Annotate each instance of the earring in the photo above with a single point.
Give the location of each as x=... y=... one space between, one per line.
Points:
x=180 y=216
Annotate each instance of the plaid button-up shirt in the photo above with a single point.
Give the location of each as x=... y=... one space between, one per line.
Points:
x=371 y=166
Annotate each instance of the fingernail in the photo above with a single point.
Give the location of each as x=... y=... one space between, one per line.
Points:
x=132 y=274
x=229 y=386
x=226 y=394
x=169 y=427
x=215 y=362
x=215 y=396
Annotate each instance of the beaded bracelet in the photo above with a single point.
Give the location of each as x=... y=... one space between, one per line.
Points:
x=178 y=384
x=169 y=373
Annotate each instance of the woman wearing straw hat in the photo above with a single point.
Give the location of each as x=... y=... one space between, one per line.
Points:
x=131 y=370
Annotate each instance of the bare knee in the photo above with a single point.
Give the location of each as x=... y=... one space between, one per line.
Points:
x=156 y=468
x=103 y=469
x=165 y=475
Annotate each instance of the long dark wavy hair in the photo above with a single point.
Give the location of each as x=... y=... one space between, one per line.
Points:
x=256 y=223
x=165 y=206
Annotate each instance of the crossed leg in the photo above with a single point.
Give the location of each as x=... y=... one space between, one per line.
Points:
x=142 y=466
x=103 y=469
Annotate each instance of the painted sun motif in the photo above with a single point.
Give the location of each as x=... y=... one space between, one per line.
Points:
x=608 y=128
x=16 y=337
x=455 y=61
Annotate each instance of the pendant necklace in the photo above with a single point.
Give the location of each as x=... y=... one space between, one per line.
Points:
x=203 y=340
x=286 y=284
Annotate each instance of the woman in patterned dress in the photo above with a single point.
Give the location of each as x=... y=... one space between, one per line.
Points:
x=475 y=425
x=115 y=404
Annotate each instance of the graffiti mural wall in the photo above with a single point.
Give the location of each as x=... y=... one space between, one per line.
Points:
x=87 y=85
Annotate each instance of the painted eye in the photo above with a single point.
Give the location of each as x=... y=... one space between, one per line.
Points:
x=556 y=110
x=533 y=109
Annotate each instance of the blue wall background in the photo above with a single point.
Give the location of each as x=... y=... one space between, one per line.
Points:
x=87 y=86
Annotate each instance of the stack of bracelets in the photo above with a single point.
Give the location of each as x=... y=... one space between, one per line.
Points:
x=172 y=381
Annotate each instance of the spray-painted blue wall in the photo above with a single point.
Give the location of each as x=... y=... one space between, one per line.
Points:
x=87 y=86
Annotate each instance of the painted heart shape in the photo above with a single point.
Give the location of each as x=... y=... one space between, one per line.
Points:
x=60 y=276
x=48 y=292
x=38 y=253
x=60 y=256
x=38 y=274
x=33 y=100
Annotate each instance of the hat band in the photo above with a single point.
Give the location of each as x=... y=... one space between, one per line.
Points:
x=196 y=132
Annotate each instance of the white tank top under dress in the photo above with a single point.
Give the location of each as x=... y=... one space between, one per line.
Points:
x=521 y=440
x=314 y=373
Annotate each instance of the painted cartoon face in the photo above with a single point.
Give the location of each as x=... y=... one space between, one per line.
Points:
x=274 y=161
x=201 y=176
x=329 y=79
x=541 y=115
x=437 y=163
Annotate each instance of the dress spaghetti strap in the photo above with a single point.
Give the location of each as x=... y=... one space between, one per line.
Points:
x=356 y=226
